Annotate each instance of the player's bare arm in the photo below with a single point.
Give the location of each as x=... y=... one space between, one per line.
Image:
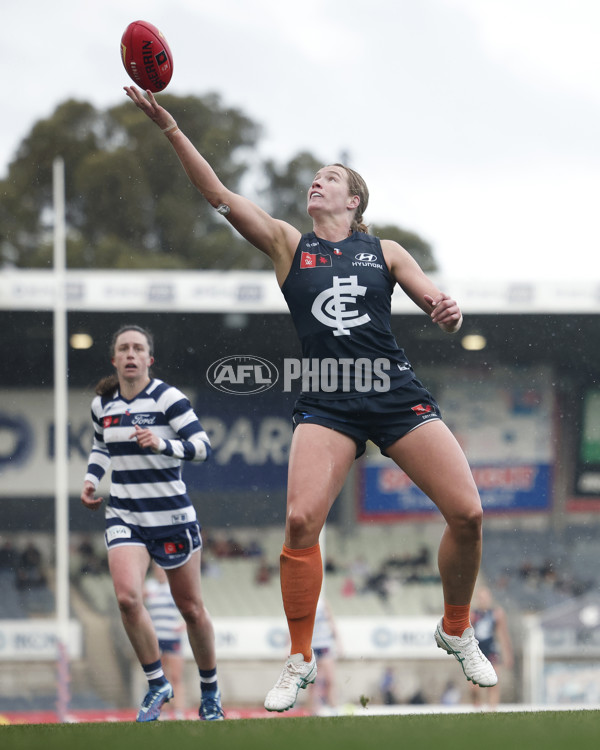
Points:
x=277 y=239
x=441 y=308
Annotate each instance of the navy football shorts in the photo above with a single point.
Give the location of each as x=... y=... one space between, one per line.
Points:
x=169 y=646
x=169 y=552
x=382 y=417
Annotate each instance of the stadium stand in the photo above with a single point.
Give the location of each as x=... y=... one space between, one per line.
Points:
x=372 y=569
x=24 y=584
x=384 y=570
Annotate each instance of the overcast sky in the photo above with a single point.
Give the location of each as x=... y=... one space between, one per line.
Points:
x=476 y=123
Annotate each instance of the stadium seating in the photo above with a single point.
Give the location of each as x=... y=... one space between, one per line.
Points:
x=11 y=606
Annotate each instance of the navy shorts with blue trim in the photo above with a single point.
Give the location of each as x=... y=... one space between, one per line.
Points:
x=382 y=418
x=169 y=552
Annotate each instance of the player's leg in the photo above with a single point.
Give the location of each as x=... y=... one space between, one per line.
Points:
x=186 y=590
x=173 y=666
x=313 y=693
x=327 y=675
x=320 y=459
x=128 y=565
x=431 y=456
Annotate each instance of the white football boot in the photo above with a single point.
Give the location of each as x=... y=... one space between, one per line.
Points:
x=295 y=675
x=465 y=649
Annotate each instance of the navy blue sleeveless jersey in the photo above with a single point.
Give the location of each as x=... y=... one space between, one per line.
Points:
x=339 y=296
x=484 y=624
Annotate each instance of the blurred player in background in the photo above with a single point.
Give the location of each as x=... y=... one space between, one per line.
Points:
x=169 y=626
x=146 y=429
x=326 y=647
x=491 y=630
x=338 y=281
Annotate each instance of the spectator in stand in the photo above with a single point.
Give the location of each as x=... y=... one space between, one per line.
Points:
x=8 y=557
x=91 y=562
x=264 y=573
x=29 y=572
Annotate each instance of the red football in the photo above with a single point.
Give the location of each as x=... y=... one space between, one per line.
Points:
x=146 y=56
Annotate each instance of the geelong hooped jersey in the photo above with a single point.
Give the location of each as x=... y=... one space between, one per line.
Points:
x=323 y=635
x=165 y=616
x=147 y=490
x=339 y=295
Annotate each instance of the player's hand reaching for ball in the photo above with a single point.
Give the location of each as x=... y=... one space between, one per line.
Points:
x=151 y=108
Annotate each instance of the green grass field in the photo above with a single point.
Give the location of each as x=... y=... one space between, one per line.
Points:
x=550 y=730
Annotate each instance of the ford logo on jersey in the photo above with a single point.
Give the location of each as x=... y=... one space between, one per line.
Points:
x=242 y=375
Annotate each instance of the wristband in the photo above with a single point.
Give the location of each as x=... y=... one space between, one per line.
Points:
x=168 y=129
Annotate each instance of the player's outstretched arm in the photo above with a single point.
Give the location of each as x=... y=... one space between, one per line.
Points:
x=273 y=237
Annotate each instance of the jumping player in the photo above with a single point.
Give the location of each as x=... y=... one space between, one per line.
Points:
x=145 y=429
x=337 y=281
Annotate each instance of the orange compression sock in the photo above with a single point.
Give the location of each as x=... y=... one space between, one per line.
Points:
x=301 y=572
x=456 y=618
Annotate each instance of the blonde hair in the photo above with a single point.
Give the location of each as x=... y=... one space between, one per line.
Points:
x=357 y=186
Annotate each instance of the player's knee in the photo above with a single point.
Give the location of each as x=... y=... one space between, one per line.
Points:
x=192 y=611
x=467 y=523
x=302 y=525
x=128 y=601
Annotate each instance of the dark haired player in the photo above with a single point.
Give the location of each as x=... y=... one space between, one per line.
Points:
x=145 y=429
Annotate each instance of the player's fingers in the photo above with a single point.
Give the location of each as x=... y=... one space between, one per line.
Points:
x=137 y=97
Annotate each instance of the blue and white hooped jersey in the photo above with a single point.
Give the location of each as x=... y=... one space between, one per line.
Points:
x=339 y=296
x=163 y=611
x=147 y=490
x=323 y=635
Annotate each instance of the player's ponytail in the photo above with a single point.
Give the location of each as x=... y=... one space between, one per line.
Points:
x=357 y=186
x=358 y=225
x=106 y=386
